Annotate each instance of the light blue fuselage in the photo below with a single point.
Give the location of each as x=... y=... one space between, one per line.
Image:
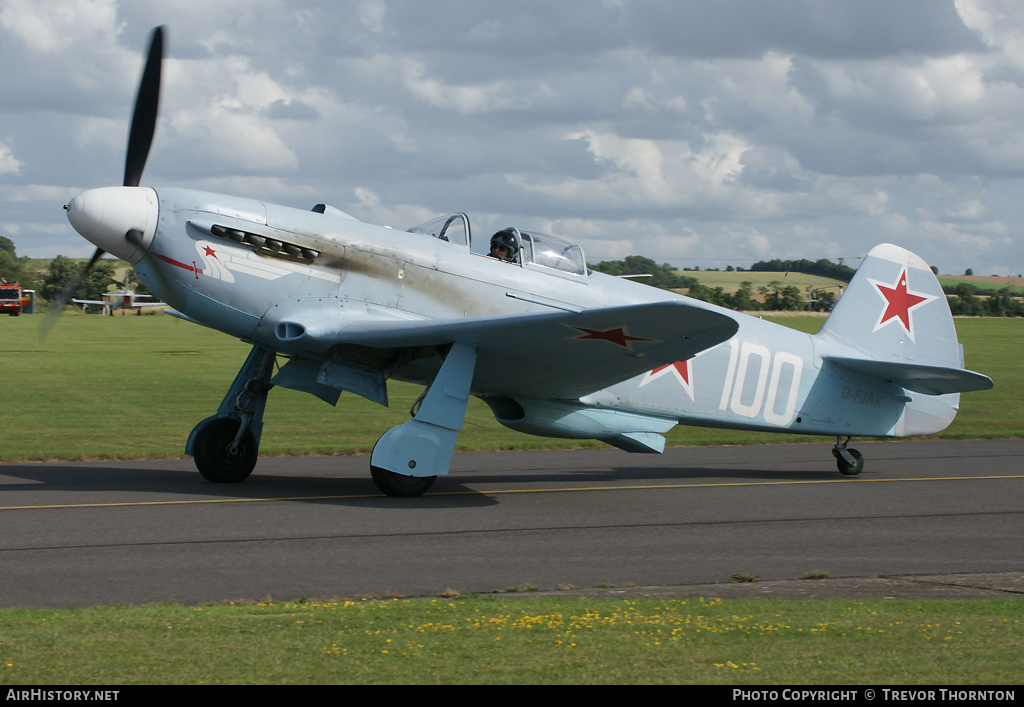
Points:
x=766 y=377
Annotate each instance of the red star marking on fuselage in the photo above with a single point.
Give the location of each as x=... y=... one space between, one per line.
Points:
x=615 y=335
x=681 y=371
x=900 y=302
x=680 y=368
x=209 y=251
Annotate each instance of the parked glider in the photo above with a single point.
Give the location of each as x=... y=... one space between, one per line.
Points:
x=552 y=347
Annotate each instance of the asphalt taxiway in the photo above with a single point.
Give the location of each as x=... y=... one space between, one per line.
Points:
x=931 y=519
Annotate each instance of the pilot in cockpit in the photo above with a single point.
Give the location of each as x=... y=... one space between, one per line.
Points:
x=504 y=246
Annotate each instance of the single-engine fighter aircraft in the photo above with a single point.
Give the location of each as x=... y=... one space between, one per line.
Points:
x=552 y=347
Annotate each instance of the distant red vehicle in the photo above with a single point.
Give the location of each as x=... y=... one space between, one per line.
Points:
x=11 y=299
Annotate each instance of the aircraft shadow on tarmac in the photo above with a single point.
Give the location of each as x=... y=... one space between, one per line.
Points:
x=670 y=475
x=456 y=490
x=62 y=485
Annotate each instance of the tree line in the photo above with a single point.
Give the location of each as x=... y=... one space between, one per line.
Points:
x=58 y=274
x=663 y=276
x=773 y=297
x=823 y=268
x=964 y=299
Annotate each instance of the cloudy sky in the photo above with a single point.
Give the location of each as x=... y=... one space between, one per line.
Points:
x=692 y=132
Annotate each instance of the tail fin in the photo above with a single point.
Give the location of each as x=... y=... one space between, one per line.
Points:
x=894 y=323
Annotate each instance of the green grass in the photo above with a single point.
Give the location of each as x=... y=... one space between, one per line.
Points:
x=498 y=640
x=986 y=285
x=134 y=386
x=731 y=281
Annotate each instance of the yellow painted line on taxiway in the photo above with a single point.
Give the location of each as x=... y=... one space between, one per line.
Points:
x=495 y=492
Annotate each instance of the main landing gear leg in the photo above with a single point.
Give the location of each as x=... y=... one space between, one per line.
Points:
x=407 y=459
x=849 y=461
x=225 y=446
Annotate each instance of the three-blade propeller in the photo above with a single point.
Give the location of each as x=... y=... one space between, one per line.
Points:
x=140 y=138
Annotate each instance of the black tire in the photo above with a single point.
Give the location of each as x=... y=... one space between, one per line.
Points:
x=845 y=468
x=215 y=462
x=399 y=485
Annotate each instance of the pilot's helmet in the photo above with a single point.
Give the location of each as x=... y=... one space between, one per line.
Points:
x=508 y=239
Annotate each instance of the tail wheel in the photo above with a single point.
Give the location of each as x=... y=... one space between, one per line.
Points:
x=845 y=467
x=218 y=458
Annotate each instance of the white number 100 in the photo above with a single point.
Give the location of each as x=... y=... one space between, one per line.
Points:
x=749 y=359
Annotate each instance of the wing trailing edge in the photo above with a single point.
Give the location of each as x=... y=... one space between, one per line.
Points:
x=559 y=354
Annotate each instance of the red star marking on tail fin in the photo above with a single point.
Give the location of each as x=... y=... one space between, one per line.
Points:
x=900 y=302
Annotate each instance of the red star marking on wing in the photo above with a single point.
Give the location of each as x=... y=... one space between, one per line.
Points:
x=210 y=251
x=615 y=335
x=900 y=302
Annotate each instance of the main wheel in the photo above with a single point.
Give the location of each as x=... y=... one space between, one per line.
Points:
x=845 y=467
x=400 y=485
x=214 y=457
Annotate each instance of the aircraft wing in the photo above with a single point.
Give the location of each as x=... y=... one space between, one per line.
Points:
x=560 y=354
x=90 y=301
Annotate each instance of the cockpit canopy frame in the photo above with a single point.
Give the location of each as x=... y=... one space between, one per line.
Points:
x=451 y=228
x=536 y=250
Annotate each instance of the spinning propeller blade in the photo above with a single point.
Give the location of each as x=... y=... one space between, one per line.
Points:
x=64 y=299
x=140 y=138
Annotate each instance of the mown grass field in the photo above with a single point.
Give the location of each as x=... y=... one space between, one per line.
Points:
x=498 y=640
x=731 y=281
x=134 y=386
x=986 y=284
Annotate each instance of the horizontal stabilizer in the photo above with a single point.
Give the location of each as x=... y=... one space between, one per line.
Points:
x=930 y=380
